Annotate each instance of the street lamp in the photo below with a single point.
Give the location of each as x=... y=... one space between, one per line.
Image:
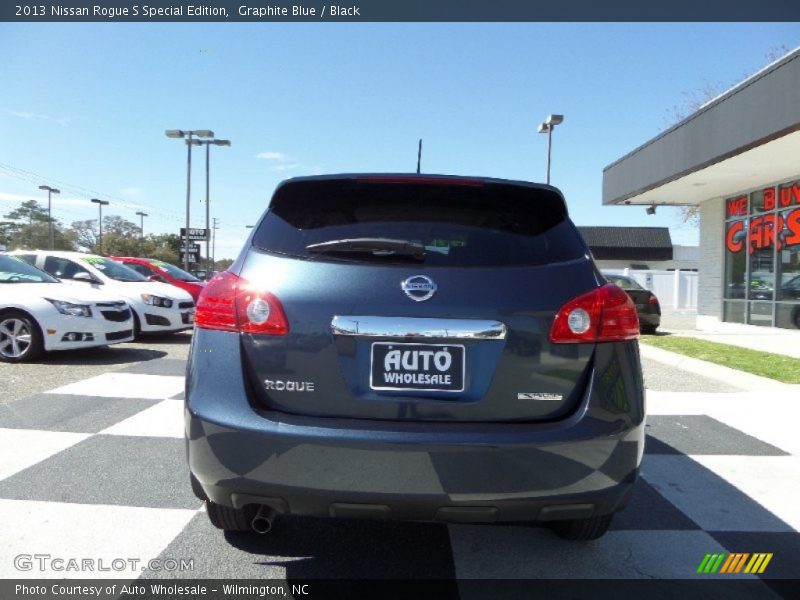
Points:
x=547 y=127
x=179 y=133
x=100 y=205
x=50 y=190
x=207 y=144
x=142 y=215
x=214 y=243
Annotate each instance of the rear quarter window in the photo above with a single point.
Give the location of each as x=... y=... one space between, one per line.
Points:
x=474 y=225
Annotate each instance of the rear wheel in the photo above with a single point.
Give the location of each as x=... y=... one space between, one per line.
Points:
x=583 y=529
x=227 y=518
x=20 y=338
x=648 y=329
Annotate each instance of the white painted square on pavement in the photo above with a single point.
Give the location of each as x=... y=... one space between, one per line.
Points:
x=706 y=496
x=125 y=385
x=164 y=419
x=681 y=403
x=83 y=531
x=772 y=481
x=22 y=448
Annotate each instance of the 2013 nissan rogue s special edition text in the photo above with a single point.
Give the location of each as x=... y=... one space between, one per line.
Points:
x=415 y=347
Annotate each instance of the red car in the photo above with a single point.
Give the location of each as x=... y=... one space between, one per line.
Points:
x=158 y=270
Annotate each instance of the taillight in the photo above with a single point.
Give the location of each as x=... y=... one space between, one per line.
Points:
x=230 y=303
x=606 y=314
x=652 y=300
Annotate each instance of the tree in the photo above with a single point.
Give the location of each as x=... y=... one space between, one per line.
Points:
x=120 y=236
x=120 y=226
x=37 y=237
x=166 y=247
x=223 y=264
x=7 y=230
x=86 y=234
x=27 y=229
x=29 y=211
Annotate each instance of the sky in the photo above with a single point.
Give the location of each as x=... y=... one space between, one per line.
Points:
x=84 y=107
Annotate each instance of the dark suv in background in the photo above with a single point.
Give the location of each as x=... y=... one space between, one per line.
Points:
x=415 y=347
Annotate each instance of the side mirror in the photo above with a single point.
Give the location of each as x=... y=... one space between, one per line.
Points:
x=84 y=277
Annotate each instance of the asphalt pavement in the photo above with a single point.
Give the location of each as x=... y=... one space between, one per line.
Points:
x=92 y=465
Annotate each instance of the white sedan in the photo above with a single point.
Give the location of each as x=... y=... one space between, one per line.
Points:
x=39 y=313
x=157 y=307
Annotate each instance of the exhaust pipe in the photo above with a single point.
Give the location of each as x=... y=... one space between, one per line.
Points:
x=262 y=522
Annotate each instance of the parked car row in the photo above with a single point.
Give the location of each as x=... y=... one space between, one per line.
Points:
x=56 y=300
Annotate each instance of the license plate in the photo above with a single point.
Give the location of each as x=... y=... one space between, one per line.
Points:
x=418 y=367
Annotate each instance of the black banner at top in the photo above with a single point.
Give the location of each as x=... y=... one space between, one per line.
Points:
x=396 y=10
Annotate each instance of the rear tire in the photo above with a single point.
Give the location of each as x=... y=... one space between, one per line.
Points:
x=649 y=329
x=582 y=530
x=227 y=518
x=20 y=338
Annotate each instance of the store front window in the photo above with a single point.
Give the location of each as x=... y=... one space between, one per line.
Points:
x=762 y=257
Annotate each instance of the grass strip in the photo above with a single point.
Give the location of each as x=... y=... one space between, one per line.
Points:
x=766 y=364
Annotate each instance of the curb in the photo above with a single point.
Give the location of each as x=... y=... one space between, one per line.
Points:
x=746 y=381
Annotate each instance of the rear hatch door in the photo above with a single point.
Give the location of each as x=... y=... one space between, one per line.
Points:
x=418 y=299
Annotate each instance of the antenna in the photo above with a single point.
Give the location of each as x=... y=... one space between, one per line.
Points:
x=419 y=155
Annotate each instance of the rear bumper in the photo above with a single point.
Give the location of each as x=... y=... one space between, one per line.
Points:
x=580 y=466
x=650 y=319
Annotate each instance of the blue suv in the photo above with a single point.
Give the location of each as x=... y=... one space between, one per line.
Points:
x=415 y=347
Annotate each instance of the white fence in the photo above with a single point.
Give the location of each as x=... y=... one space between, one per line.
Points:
x=676 y=290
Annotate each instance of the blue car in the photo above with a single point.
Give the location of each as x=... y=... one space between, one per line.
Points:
x=415 y=347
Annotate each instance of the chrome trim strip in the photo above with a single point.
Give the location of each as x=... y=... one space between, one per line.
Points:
x=411 y=327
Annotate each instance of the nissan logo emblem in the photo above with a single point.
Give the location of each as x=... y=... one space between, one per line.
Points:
x=418 y=287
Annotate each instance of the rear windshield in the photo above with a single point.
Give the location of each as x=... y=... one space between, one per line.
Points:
x=473 y=224
x=624 y=282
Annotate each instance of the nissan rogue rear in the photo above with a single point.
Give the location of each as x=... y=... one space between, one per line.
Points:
x=415 y=347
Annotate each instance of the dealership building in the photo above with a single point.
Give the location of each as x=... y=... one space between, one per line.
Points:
x=738 y=159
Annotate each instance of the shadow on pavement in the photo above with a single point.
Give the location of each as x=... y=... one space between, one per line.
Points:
x=184 y=337
x=342 y=549
x=109 y=355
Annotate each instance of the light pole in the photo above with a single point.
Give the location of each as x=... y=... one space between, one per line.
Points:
x=547 y=127
x=179 y=133
x=207 y=144
x=214 y=244
x=50 y=190
x=100 y=205
x=141 y=215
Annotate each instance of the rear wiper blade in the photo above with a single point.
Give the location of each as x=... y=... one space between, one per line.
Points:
x=377 y=246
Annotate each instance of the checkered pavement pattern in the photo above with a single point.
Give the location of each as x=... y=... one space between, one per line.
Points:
x=97 y=469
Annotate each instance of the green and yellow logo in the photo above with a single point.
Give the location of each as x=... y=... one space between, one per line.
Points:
x=735 y=562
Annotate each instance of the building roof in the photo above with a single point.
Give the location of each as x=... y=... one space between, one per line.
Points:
x=744 y=138
x=628 y=243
